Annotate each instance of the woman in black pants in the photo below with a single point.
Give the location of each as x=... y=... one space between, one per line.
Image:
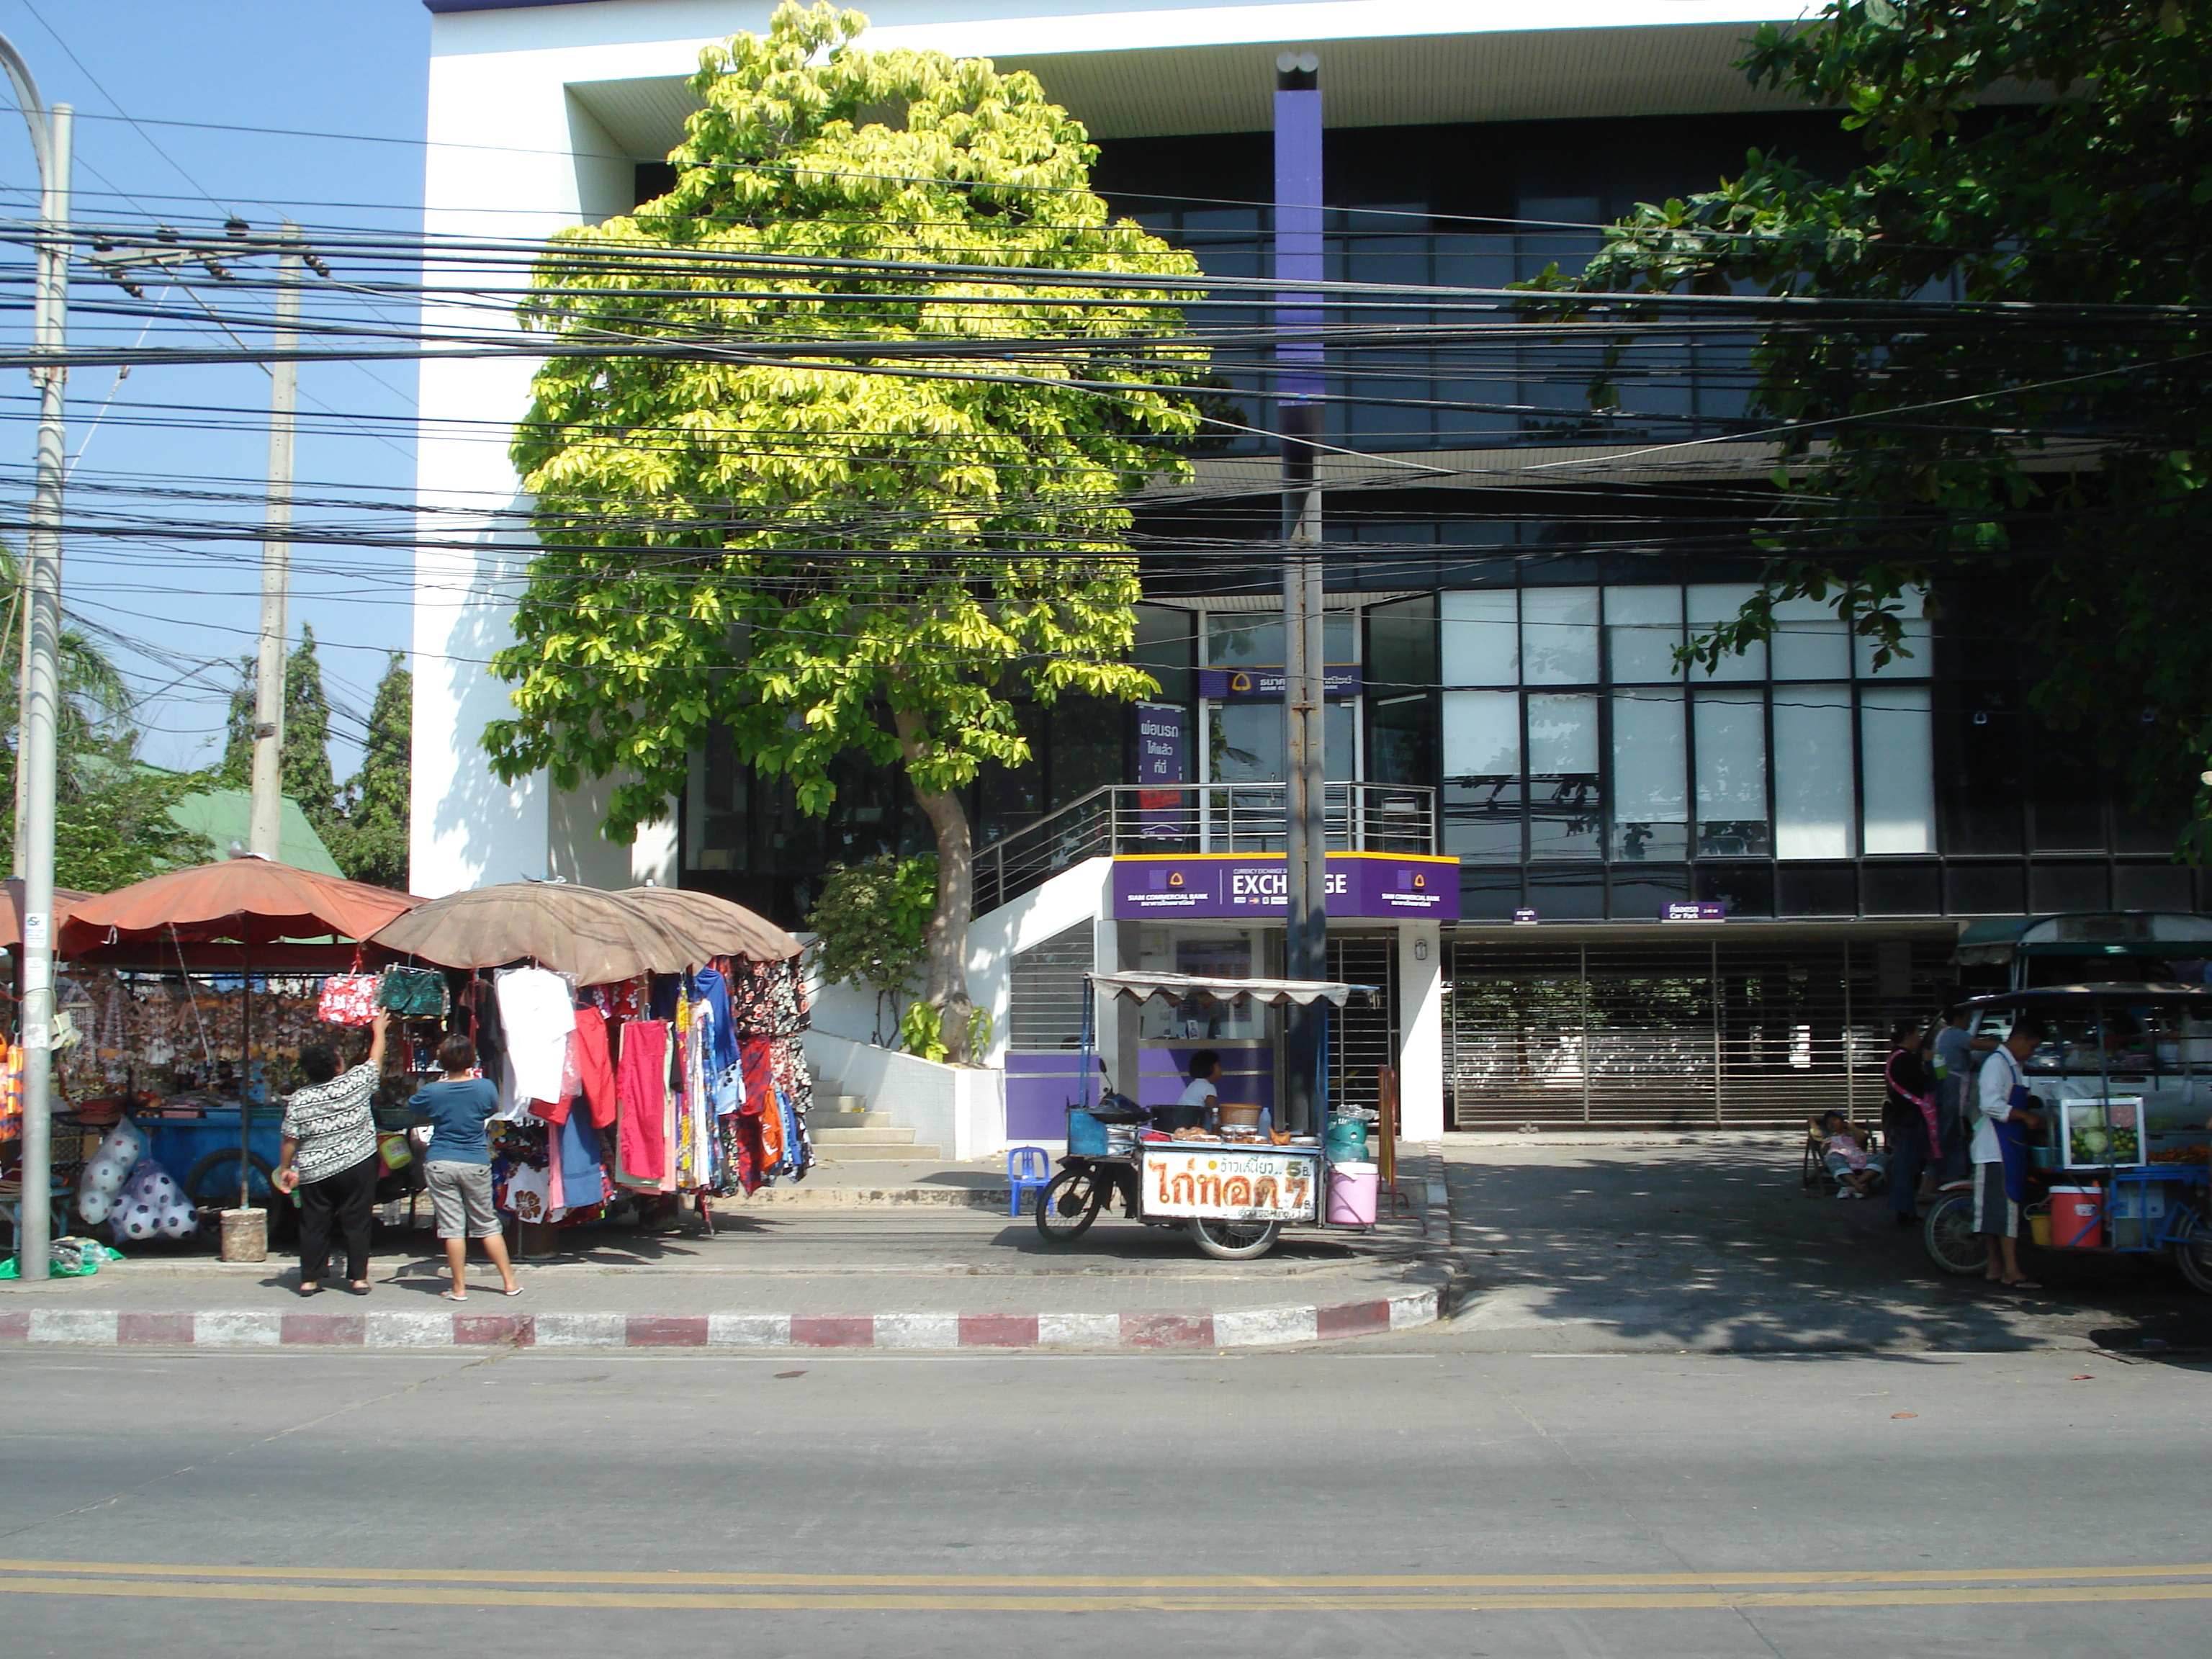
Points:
x=328 y=1156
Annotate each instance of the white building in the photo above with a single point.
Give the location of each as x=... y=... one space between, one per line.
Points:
x=1507 y=657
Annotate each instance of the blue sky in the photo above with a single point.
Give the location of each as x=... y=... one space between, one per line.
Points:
x=160 y=89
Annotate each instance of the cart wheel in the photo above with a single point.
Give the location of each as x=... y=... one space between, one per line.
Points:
x=1234 y=1241
x=1948 y=1232
x=1068 y=1206
x=2193 y=1255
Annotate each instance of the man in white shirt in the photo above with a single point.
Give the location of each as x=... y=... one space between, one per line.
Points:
x=2000 y=1095
x=1956 y=1056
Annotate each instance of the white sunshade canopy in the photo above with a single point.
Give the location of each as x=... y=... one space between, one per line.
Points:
x=1143 y=988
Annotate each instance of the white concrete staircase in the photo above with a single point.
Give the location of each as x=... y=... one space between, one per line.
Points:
x=845 y=1131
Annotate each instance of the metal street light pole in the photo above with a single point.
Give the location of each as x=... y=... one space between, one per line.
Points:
x=1298 y=386
x=267 y=820
x=38 y=705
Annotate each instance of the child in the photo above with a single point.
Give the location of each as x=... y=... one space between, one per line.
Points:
x=1855 y=1169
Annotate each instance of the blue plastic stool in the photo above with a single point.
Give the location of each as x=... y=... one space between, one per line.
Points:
x=1029 y=1170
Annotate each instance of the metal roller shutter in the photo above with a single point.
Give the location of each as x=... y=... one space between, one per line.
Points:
x=1044 y=992
x=1363 y=1039
x=1705 y=1033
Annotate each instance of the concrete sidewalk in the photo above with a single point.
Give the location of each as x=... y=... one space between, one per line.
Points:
x=1708 y=1243
x=919 y=1276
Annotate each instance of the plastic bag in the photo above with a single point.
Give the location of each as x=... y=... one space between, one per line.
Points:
x=347 y=999
x=107 y=1170
x=153 y=1205
x=68 y=1258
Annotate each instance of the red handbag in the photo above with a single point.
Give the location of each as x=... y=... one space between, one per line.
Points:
x=347 y=999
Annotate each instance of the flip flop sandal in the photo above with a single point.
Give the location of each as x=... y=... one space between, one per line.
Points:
x=449 y=1297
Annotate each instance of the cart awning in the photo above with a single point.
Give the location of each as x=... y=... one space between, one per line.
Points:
x=1143 y=988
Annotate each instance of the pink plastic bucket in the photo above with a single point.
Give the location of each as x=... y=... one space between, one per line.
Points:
x=1351 y=1194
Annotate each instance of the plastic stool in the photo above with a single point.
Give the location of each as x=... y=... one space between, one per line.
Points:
x=1028 y=1169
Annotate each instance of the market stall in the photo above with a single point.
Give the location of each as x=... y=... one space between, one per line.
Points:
x=1233 y=1182
x=2123 y=1081
x=158 y=977
x=645 y=1043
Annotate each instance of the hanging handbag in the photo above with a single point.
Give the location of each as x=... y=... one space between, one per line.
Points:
x=347 y=999
x=412 y=993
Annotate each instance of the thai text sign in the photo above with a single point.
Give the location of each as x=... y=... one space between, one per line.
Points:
x=1161 y=809
x=1263 y=1184
x=1205 y=885
x=1230 y=685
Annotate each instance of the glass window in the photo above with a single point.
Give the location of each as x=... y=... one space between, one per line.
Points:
x=1478 y=639
x=1243 y=639
x=1566 y=819
x=1729 y=729
x=1651 y=808
x=1401 y=646
x=1482 y=802
x=1813 y=770
x=1710 y=603
x=1811 y=642
x=1642 y=626
x=1401 y=740
x=1482 y=734
x=1917 y=632
x=1559 y=636
x=1897 y=747
x=1339 y=739
x=1244 y=743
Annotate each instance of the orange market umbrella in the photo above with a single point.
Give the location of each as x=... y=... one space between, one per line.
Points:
x=240 y=901
x=11 y=913
x=581 y=932
x=713 y=927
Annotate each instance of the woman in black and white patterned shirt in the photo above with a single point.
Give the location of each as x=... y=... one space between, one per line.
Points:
x=328 y=1156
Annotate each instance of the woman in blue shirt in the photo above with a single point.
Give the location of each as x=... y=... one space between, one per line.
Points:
x=457 y=1164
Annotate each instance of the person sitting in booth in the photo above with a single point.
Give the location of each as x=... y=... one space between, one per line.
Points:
x=1204 y=1089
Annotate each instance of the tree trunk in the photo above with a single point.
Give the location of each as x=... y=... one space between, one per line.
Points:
x=944 y=979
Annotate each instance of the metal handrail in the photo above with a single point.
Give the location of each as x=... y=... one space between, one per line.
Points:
x=1196 y=817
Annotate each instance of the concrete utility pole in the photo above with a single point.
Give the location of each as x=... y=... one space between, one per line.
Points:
x=1298 y=386
x=38 y=707
x=268 y=817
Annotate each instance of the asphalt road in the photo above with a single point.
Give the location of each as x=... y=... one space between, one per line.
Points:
x=1407 y=1495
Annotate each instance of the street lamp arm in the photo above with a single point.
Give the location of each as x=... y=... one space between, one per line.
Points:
x=32 y=104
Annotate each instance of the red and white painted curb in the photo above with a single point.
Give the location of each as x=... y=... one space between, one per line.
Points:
x=1236 y=1328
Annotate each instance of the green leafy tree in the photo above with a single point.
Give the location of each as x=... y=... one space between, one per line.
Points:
x=303 y=759
x=1915 y=447
x=871 y=925
x=370 y=840
x=812 y=541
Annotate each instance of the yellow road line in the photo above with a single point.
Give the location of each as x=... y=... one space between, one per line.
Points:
x=1343 y=1584
x=1499 y=1603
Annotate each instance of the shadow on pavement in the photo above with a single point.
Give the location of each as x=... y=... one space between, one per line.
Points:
x=1716 y=1246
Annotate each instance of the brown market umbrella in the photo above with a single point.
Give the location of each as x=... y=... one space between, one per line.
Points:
x=713 y=927
x=578 y=931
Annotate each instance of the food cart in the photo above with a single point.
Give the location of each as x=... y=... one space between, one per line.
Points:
x=2123 y=1080
x=1234 y=1188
